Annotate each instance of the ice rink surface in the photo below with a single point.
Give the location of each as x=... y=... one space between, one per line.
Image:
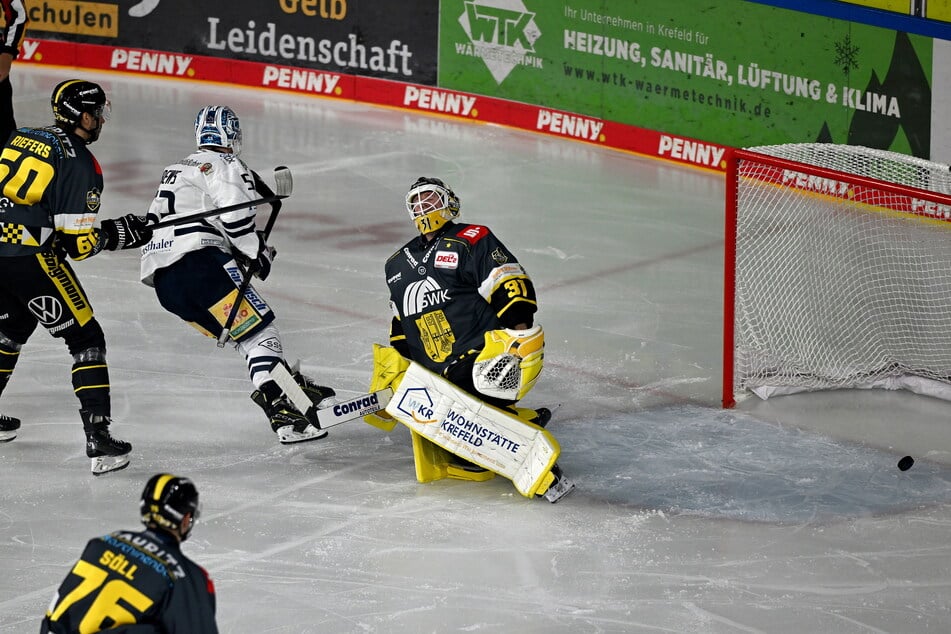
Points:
x=786 y=515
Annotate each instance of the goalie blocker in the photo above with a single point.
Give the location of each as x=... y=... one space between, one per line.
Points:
x=458 y=423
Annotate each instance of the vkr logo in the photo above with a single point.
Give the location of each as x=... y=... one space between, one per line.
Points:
x=503 y=33
x=418 y=405
x=47 y=309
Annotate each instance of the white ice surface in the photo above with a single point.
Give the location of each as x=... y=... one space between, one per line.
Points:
x=780 y=516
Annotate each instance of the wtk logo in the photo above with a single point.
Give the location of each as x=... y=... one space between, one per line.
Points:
x=503 y=33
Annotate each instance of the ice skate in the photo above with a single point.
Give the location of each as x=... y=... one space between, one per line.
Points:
x=8 y=427
x=105 y=452
x=539 y=416
x=286 y=421
x=321 y=396
x=558 y=489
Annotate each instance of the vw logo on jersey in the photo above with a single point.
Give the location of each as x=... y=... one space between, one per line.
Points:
x=47 y=309
x=422 y=295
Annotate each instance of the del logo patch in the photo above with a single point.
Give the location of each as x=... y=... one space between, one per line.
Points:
x=446 y=260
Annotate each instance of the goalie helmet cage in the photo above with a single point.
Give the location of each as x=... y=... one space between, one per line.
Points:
x=837 y=271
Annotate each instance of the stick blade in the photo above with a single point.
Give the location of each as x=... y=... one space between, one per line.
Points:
x=283 y=181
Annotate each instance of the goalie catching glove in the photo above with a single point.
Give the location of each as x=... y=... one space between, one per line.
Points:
x=509 y=364
x=128 y=232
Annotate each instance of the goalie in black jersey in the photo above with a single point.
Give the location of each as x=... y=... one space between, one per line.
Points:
x=51 y=187
x=197 y=267
x=463 y=307
x=140 y=581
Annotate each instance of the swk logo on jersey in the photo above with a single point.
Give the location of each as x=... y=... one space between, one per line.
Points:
x=422 y=295
x=503 y=33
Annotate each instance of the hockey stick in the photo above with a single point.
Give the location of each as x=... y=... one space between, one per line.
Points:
x=287 y=183
x=339 y=413
x=283 y=182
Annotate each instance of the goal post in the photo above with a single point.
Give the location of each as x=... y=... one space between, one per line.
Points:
x=837 y=271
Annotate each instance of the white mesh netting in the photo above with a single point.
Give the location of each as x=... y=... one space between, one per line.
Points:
x=840 y=283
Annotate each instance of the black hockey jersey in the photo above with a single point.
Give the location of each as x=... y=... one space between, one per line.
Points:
x=51 y=186
x=135 y=582
x=447 y=293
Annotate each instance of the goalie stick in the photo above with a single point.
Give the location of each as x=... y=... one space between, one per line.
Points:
x=338 y=413
x=288 y=186
x=283 y=183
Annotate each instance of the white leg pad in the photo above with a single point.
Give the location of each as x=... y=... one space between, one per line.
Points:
x=462 y=424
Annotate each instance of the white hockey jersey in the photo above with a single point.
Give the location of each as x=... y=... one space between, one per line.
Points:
x=201 y=181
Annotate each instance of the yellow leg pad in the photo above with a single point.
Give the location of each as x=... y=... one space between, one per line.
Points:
x=545 y=484
x=383 y=423
x=432 y=461
x=458 y=473
x=525 y=413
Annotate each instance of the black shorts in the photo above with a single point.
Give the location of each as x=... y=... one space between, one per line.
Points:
x=43 y=289
x=202 y=287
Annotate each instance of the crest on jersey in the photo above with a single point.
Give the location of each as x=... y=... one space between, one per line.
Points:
x=93 y=199
x=436 y=335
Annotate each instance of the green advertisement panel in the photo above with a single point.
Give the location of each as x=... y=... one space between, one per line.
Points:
x=734 y=72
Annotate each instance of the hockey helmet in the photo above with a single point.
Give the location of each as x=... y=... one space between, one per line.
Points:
x=166 y=500
x=73 y=97
x=218 y=126
x=431 y=204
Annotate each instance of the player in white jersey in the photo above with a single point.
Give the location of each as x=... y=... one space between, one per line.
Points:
x=197 y=268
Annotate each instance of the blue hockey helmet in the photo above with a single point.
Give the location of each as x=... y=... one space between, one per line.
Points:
x=218 y=127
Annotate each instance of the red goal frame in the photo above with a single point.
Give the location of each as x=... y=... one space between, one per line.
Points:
x=908 y=199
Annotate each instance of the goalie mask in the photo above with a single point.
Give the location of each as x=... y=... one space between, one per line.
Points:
x=431 y=204
x=218 y=126
x=72 y=98
x=166 y=500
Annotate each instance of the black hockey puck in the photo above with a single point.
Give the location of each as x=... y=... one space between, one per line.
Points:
x=905 y=463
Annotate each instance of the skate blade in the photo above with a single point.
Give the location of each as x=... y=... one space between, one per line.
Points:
x=559 y=490
x=287 y=436
x=107 y=464
x=7 y=436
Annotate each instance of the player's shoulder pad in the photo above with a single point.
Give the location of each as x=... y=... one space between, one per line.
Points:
x=472 y=233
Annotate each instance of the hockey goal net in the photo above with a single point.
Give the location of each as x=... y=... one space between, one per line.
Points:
x=837 y=271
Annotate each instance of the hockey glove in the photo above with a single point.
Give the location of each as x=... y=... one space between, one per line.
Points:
x=261 y=267
x=389 y=366
x=509 y=364
x=128 y=232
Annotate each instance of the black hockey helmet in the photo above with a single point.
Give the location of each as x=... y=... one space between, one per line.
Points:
x=166 y=500
x=431 y=204
x=73 y=97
